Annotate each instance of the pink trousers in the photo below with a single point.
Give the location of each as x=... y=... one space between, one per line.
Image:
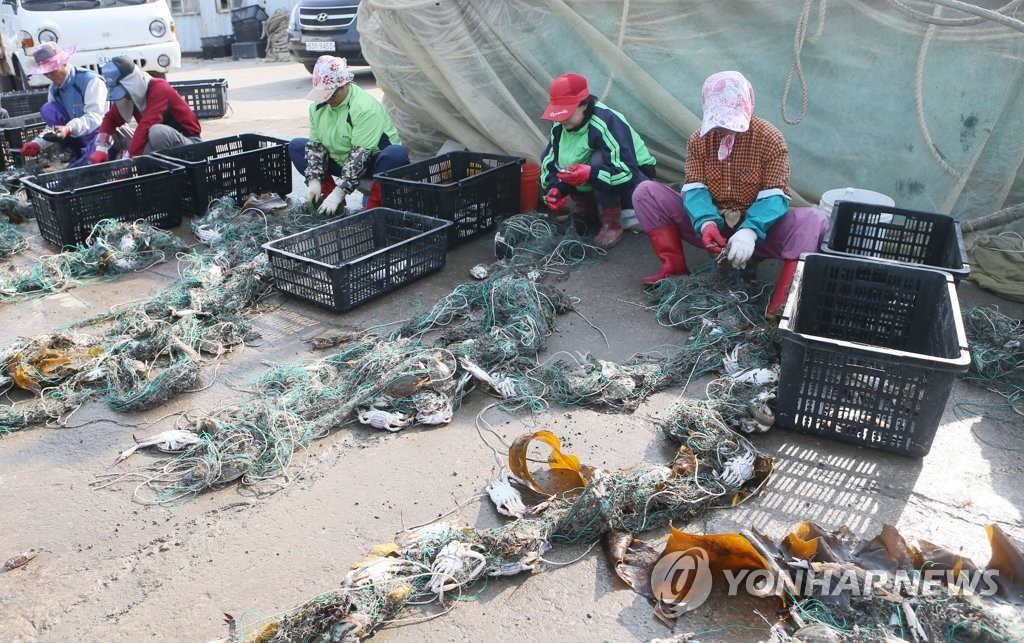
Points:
x=799 y=230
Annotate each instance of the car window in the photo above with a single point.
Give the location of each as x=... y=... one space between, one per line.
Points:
x=65 y=5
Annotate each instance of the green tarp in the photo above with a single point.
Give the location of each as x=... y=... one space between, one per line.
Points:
x=926 y=108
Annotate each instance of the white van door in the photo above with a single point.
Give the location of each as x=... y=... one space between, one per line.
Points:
x=8 y=36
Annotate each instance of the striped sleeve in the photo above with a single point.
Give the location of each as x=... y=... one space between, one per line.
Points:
x=615 y=139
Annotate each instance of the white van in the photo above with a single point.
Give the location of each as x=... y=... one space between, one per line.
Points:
x=140 y=29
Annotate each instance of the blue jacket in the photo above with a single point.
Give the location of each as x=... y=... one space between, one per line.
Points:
x=71 y=95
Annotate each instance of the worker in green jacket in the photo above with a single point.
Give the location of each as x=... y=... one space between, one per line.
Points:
x=351 y=136
x=593 y=156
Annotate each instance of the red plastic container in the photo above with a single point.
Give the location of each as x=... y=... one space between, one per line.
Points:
x=529 y=187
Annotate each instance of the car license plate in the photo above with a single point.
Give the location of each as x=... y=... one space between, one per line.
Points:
x=320 y=45
x=102 y=59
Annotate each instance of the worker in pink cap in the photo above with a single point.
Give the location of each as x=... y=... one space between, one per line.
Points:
x=593 y=156
x=351 y=136
x=735 y=200
x=74 y=109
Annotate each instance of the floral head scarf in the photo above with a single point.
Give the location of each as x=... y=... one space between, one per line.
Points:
x=728 y=102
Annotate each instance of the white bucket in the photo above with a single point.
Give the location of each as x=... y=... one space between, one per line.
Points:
x=832 y=197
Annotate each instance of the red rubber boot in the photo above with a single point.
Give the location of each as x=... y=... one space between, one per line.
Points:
x=611 y=228
x=669 y=248
x=373 y=199
x=778 y=301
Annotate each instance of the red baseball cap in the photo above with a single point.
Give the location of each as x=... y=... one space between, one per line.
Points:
x=566 y=93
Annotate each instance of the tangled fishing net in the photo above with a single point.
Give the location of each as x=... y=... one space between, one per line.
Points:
x=834 y=586
x=584 y=380
x=500 y=324
x=535 y=242
x=16 y=210
x=831 y=586
x=997 y=353
x=153 y=350
x=11 y=240
x=237 y=235
x=722 y=314
x=258 y=439
x=440 y=561
x=715 y=303
x=484 y=334
x=13 y=203
x=112 y=248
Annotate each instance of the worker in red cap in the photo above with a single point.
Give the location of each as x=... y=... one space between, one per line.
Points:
x=593 y=156
x=735 y=202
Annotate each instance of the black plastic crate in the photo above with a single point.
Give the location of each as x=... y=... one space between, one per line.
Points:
x=235 y=166
x=870 y=351
x=22 y=103
x=358 y=258
x=69 y=203
x=895 y=234
x=18 y=130
x=252 y=12
x=216 y=46
x=246 y=50
x=207 y=98
x=472 y=190
x=249 y=30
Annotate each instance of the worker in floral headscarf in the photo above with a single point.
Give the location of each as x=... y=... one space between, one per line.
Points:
x=351 y=136
x=736 y=197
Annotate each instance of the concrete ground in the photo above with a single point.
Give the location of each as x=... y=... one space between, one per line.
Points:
x=113 y=569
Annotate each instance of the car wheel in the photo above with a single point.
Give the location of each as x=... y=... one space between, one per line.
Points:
x=309 y=66
x=20 y=79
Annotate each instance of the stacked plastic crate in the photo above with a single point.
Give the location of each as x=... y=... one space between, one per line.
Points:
x=249 y=38
x=22 y=123
x=217 y=46
x=872 y=335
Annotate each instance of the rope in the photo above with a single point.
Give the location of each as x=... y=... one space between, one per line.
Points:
x=797 y=67
x=276 y=27
x=919 y=102
x=993 y=15
x=934 y=21
x=618 y=45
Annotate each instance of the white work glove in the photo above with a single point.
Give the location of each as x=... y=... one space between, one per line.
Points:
x=740 y=247
x=313 y=189
x=331 y=203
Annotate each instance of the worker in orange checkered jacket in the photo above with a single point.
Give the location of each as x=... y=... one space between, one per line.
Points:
x=735 y=200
